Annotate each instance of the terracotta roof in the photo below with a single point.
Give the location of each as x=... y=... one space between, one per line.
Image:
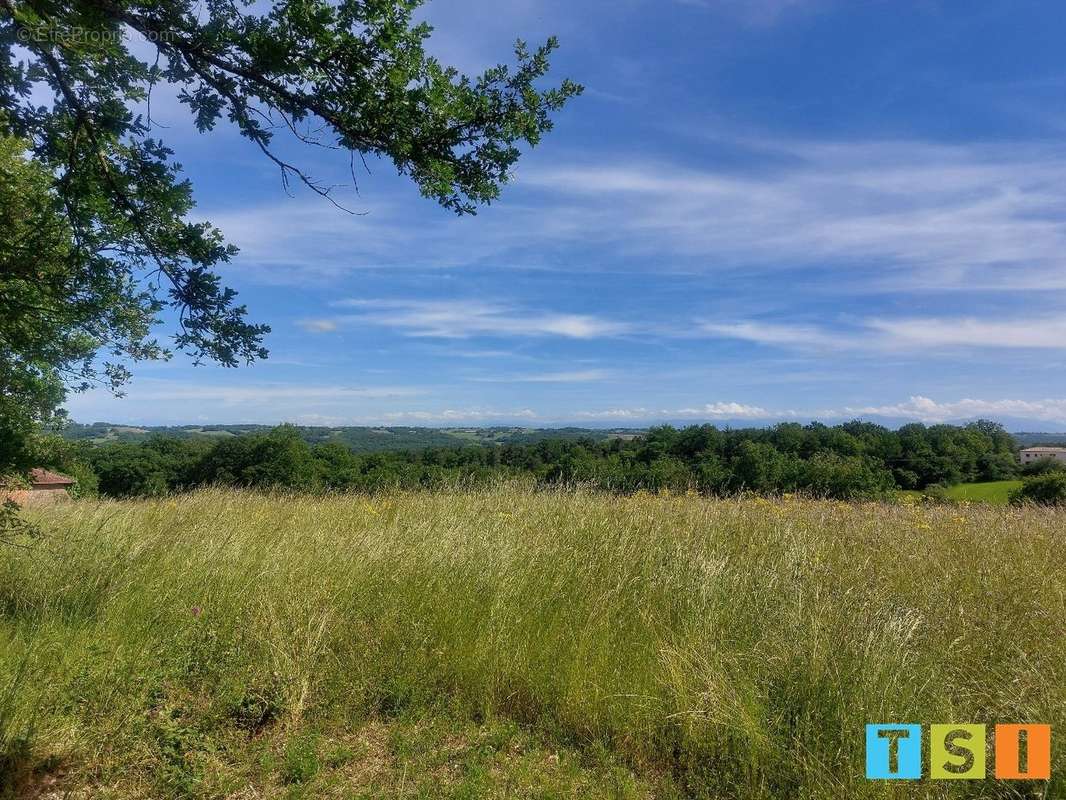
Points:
x=1044 y=450
x=42 y=477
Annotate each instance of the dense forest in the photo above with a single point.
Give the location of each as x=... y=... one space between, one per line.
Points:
x=852 y=460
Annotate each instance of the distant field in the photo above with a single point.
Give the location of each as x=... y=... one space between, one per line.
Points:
x=993 y=492
x=997 y=492
x=506 y=643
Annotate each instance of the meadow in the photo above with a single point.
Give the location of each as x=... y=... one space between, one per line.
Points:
x=511 y=643
x=994 y=492
x=986 y=492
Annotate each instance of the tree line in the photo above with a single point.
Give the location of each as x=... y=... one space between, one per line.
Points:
x=848 y=461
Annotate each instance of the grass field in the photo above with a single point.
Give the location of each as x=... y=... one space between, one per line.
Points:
x=997 y=492
x=994 y=492
x=513 y=644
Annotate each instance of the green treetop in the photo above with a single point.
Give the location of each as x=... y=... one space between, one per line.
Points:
x=96 y=238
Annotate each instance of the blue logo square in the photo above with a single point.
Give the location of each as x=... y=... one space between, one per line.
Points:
x=893 y=752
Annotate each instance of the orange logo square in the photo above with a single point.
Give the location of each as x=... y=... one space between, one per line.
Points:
x=1023 y=752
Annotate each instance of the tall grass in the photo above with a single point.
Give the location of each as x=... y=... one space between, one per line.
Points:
x=736 y=647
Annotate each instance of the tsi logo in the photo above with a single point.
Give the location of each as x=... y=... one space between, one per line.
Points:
x=957 y=752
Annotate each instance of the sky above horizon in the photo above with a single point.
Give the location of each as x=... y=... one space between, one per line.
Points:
x=758 y=210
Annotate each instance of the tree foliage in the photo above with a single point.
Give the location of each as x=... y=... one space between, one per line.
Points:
x=851 y=461
x=105 y=212
x=1043 y=489
x=41 y=337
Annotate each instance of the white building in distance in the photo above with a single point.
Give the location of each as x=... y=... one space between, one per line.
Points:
x=1031 y=454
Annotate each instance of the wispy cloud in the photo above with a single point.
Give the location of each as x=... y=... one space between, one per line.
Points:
x=1018 y=332
x=318 y=325
x=460 y=415
x=461 y=319
x=250 y=394
x=573 y=376
x=177 y=402
x=925 y=409
x=918 y=408
x=919 y=334
x=939 y=216
x=774 y=334
x=453 y=353
x=377 y=405
x=708 y=411
x=883 y=214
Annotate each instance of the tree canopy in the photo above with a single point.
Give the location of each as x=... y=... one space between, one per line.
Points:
x=851 y=461
x=108 y=208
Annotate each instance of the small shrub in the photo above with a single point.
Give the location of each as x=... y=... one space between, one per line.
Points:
x=1048 y=489
x=936 y=494
x=12 y=525
x=339 y=756
x=256 y=710
x=1042 y=466
x=179 y=745
x=300 y=761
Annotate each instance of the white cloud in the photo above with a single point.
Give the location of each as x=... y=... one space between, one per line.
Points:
x=453 y=353
x=883 y=214
x=325 y=405
x=467 y=415
x=173 y=402
x=917 y=408
x=318 y=325
x=919 y=334
x=925 y=409
x=1019 y=332
x=245 y=395
x=933 y=215
x=731 y=410
x=775 y=334
x=718 y=410
x=460 y=319
x=574 y=376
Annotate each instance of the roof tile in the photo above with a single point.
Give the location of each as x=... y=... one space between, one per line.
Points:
x=44 y=477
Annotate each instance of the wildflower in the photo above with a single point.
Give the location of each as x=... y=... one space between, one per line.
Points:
x=196 y=611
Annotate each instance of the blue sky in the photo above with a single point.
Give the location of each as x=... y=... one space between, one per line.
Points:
x=759 y=210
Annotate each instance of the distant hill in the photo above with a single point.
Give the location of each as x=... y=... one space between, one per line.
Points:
x=377 y=439
x=358 y=439
x=1031 y=439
